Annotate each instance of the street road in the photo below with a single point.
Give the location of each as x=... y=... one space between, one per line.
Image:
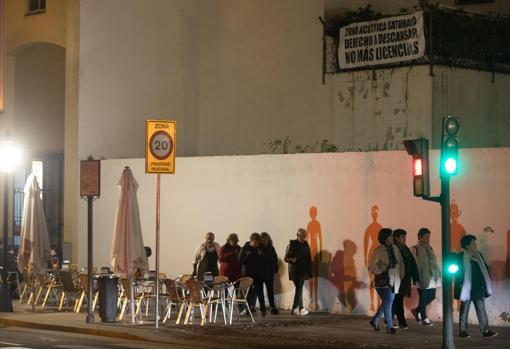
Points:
x=19 y=338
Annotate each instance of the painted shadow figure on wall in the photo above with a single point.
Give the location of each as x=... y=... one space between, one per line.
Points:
x=314 y=237
x=344 y=276
x=370 y=243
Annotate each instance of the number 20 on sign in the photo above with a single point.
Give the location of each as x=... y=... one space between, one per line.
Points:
x=159 y=146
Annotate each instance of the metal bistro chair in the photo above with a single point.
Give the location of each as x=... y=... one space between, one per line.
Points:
x=70 y=290
x=84 y=284
x=149 y=291
x=126 y=298
x=52 y=287
x=239 y=295
x=28 y=285
x=217 y=298
x=197 y=298
x=175 y=296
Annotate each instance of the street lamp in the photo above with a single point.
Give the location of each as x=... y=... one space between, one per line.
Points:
x=10 y=157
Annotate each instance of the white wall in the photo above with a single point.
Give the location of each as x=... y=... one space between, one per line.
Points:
x=135 y=64
x=394 y=6
x=483 y=106
x=39 y=98
x=233 y=74
x=377 y=110
x=274 y=193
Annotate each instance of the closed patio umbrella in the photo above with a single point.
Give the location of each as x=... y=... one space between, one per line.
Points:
x=127 y=252
x=34 y=247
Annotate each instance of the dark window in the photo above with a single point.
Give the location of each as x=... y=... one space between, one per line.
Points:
x=35 y=7
x=467 y=2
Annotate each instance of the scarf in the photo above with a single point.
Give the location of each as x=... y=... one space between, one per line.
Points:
x=465 y=294
x=427 y=266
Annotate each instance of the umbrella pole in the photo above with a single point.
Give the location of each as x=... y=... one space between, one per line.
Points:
x=33 y=290
x=132 y=298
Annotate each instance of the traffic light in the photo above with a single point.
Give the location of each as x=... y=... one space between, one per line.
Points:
x=452 y=264
x=450 y=147
x=419 y=150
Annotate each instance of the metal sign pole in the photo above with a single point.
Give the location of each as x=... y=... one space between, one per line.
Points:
x=90 y=311
x=158 y=185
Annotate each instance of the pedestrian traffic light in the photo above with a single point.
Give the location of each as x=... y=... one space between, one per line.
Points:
x=452 y=264
x=450 y=147
x=419 y=150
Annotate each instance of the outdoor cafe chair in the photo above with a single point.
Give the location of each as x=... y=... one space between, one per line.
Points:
x=53 y=286
x=84 y=284
x=217 y=298
x=13 y=280
x=69 y=289
x=48 y=282
x=148 y=290
x=239 y=295
x=174 y=296
x=196 y=298
x=28 y=285
x=126 y=297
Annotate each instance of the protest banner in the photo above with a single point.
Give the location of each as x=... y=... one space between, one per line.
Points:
x=388 y=40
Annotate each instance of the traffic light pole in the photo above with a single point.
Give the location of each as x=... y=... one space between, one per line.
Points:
x=446 y=278
x=444 y=200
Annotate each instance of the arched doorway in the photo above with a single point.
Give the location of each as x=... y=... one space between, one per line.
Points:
x=38 y=124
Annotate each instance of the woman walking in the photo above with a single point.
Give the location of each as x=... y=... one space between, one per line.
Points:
x=388 y=268
x=300 y=268
x=270 y=264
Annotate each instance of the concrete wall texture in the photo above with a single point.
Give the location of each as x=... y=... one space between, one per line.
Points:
x=234 y=75
x=274 y=193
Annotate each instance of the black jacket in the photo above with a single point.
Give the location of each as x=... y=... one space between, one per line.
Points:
x=459 y=279
x=251 y=262
x=301 y=269
x=412 y=275
x=269 y=261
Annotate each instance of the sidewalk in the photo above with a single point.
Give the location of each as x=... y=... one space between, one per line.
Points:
x=322 y=330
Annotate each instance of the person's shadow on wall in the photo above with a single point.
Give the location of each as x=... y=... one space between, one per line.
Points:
x=343 y=275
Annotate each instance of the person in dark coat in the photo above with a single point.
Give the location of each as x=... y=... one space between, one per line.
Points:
x=270 y=264
x=229 y=258
x=251 y=263
x=472 y=284
x=300 y=268
x=411 y=277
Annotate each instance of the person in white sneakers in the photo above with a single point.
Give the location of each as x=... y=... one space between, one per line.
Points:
x=430 y=275
x=472 y=285
x=300 y=268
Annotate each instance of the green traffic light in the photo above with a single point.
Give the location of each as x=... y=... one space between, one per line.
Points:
x=450 y=165
x=453 y=268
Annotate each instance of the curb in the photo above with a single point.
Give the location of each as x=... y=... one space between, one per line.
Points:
x=97 y=332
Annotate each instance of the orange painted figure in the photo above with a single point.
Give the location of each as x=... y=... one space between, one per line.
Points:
x=314 y=237
x=457 y=231
x=370 y=244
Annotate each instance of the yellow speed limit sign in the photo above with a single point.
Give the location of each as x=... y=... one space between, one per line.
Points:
x=159 y=146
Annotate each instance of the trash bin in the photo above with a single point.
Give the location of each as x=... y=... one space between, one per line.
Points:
x=108 y=291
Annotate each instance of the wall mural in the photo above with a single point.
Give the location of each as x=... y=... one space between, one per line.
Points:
x=314 y=237
x=342 y=233
x=370 y=243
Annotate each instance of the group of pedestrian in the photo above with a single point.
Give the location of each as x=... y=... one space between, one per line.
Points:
x=256 y=259
x=396 y=267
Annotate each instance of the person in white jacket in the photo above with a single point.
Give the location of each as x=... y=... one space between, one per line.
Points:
x=388 y=267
